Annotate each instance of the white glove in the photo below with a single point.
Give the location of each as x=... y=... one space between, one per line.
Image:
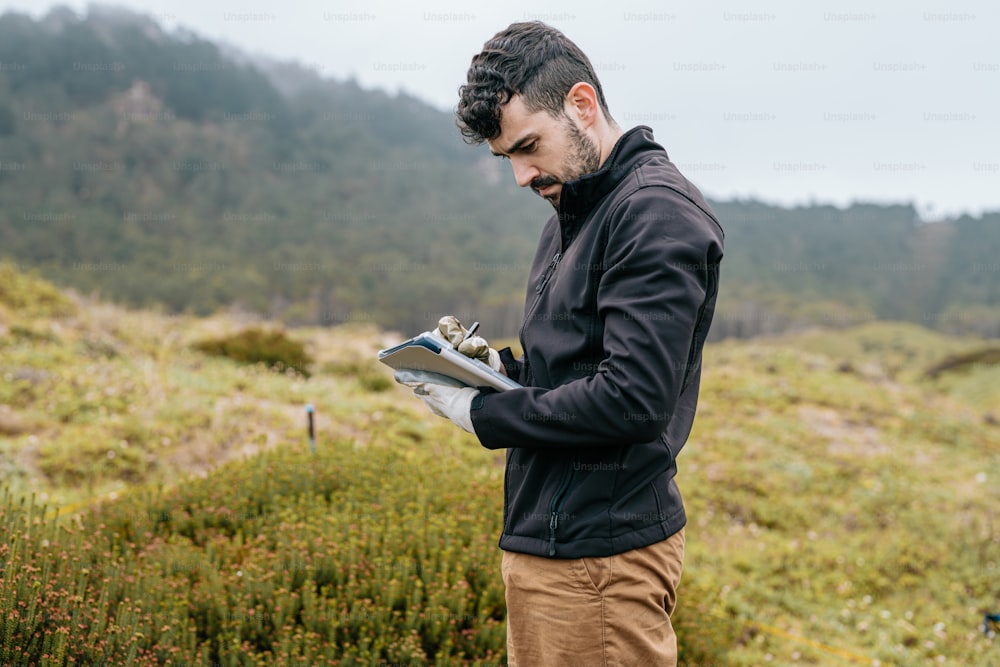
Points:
x=476 y=347
x=454 y=403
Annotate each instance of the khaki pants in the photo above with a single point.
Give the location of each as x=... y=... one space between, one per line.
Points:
x=593 y=612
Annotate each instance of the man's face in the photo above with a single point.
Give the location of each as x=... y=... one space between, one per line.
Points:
x=545 y=152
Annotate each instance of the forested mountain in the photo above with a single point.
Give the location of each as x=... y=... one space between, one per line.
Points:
x=785 y=268
x=157 y=168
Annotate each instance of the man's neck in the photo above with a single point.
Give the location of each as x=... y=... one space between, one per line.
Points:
x=610 y=135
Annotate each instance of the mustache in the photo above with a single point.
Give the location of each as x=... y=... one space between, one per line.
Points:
x=543 y=182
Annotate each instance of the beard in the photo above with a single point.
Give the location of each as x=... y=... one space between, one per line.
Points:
x=582 y=158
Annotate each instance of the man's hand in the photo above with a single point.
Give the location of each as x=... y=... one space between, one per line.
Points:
x=454 y=403
x=475 y=347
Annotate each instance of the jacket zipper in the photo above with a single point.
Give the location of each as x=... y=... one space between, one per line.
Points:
x=557 y=500
x=556 y=509
x=539 y=286
x=548 y=273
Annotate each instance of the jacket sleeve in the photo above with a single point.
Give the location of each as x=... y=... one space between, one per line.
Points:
x=650 y=299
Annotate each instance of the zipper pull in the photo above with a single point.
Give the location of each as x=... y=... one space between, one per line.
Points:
x=548 y=272
x=553 y=524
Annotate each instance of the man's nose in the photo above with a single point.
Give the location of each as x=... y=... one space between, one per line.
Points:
x=524 y=172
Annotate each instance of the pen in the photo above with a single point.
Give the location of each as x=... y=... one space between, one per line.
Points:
x=472 y=330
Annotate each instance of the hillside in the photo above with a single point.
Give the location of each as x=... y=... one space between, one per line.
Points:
x=176 y=176
x=159 y=170
x=842 y=501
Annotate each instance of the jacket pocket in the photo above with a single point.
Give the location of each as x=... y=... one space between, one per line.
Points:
x=556 y=508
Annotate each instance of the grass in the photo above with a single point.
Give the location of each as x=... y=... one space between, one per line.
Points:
x=843 y=504
x=858 y=513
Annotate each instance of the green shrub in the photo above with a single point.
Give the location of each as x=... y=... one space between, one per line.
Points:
x=29 y=295
x=256 y=345
x=290 y=557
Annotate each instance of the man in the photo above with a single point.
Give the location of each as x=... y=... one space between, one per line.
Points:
x=620 y=299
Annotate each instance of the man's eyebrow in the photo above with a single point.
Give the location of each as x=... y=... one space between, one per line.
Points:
x=516 y=145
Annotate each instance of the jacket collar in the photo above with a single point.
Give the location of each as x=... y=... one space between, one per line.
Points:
x=579 y=196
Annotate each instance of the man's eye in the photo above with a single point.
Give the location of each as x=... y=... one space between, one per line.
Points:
x=530 y=148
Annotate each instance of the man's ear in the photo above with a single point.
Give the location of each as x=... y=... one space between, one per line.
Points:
x=582 y=104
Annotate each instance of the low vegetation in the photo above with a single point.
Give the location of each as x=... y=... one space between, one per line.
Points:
x=256 y=345
x=164 y=506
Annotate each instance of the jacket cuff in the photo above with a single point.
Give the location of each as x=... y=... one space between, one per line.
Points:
x=480 y=416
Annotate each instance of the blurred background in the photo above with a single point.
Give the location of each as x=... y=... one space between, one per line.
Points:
x=212 y=214
x=301 y=161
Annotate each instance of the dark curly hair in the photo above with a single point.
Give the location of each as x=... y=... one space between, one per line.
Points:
x=530 y=59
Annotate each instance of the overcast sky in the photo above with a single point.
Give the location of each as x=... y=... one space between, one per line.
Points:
x=788 y=102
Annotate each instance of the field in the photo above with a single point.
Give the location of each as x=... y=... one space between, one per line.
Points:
x=164 y=506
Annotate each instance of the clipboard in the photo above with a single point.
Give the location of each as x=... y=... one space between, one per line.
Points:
x=426 y=353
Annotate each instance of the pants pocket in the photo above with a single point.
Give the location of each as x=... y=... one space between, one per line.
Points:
x=598 y=572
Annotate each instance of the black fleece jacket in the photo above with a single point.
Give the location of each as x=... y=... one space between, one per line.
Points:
x=620 y=298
